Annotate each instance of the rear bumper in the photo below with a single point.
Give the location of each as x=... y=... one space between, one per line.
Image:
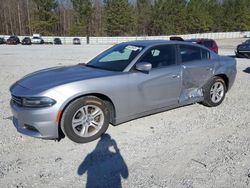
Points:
x=39 y=123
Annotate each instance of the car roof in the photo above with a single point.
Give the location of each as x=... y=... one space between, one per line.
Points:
x=152 y=42
x=148 y=43
x=200 y=39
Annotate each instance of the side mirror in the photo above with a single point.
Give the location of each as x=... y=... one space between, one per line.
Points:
x=143 y=66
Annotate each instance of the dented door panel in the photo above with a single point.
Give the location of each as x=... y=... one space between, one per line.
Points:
x=194 y=76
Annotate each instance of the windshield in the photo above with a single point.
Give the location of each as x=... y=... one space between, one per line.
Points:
x=116 y=58
x=247 y=42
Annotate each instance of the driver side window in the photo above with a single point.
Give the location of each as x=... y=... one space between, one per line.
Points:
x=160 y=56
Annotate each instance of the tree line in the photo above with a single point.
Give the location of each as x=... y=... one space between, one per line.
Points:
x=122 y=17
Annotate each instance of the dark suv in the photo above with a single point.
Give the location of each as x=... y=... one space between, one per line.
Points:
x=26 y=41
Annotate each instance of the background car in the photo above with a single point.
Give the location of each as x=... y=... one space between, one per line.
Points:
x=243 y=50
x=176 y=38
x=209 y=43
x=127 y=81
x=76 y=41
x=57 y=41
x=2 y=40
x=26 y=41
x=37 y=39
x=13 y=40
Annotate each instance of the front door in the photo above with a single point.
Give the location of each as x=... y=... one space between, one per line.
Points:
x=160 y=87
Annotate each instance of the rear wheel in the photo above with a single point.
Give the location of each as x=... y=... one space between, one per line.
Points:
x=214 y=92
x=85 y=119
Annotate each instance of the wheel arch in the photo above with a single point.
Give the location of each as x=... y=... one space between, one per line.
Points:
x=225 y=78
x=103 y=97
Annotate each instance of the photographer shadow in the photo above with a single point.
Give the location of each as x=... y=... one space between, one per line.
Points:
x=105 y=165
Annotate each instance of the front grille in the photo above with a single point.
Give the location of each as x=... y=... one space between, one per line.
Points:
x=16 y=100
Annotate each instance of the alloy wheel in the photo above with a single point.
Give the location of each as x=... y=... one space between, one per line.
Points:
x=217 y=92
x=87 y=120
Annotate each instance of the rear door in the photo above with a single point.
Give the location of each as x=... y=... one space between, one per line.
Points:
x=196 y=70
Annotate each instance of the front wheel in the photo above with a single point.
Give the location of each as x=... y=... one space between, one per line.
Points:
x=214 y=92
x=85 y=119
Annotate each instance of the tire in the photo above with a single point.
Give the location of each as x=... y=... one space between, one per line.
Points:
x=214 y=92
x=85 y=119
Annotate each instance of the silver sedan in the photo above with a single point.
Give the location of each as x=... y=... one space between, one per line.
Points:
x=128 y=81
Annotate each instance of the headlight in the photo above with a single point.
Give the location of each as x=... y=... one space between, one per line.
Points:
x=36 y=102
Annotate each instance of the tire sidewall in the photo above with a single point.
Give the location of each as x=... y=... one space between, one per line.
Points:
x=70 y=112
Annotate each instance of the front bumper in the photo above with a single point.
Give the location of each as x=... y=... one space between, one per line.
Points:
x=242 y=53
x=39 y=123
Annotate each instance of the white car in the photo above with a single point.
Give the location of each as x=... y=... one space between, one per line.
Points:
x=37 y=40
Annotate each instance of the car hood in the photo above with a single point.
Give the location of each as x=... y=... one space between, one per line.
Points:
x=48 y=78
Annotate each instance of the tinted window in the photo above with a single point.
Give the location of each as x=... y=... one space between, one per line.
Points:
x=193 y=53
x=189 y=53
x=160 y=56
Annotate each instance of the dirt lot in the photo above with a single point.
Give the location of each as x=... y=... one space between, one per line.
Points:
x=193 y=146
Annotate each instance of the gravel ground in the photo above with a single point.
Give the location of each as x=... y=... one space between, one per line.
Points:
x=192 y=146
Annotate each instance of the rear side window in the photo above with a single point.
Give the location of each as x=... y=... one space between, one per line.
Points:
x=190 y=53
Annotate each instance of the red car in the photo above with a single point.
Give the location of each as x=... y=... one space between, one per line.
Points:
x=13 y=40
x=209 y=43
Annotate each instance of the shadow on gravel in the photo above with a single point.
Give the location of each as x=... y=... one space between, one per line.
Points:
x=105 y=165
x=247 y=70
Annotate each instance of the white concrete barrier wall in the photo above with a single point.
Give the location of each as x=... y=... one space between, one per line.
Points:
x=115 y=40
